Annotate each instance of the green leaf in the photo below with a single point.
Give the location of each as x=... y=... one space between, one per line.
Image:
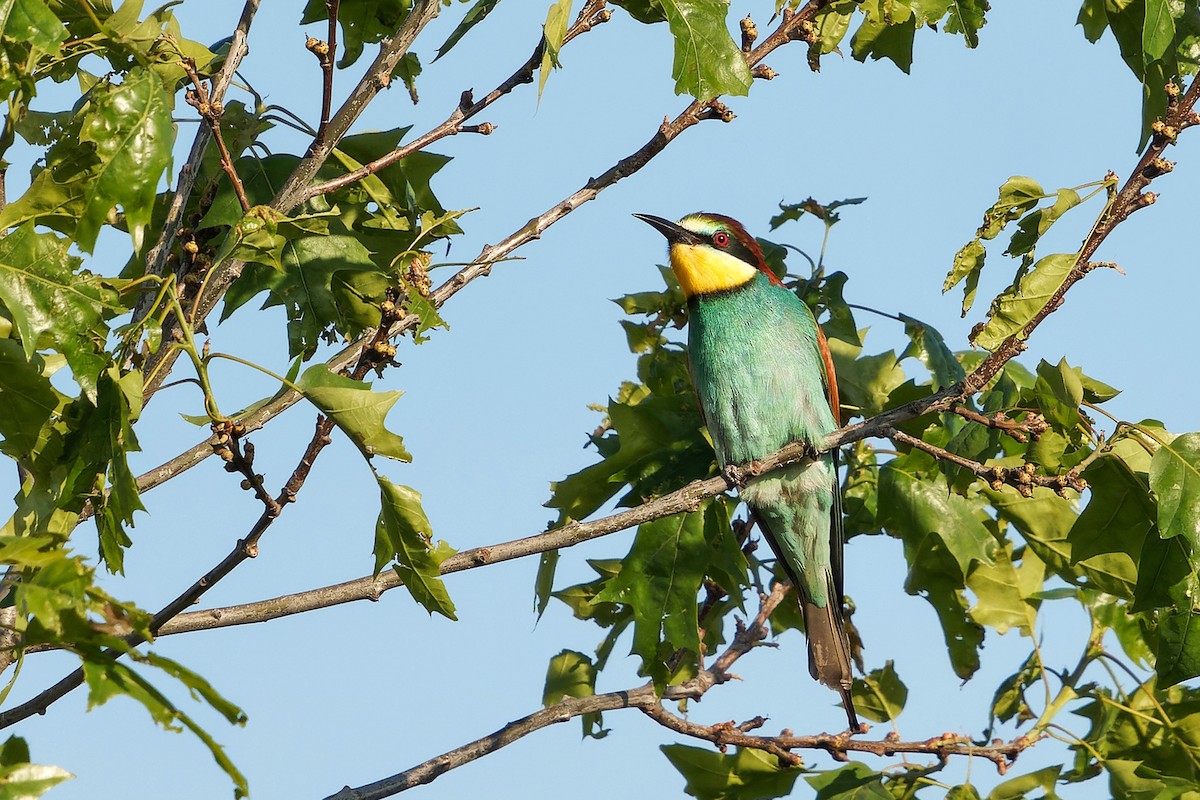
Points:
x=581 y=598
x=927 y=346
x=967 y=17
x=1017 y=195
x=855 y=781
x=1158 y=32
x=199 y=688
x=130 y=126
x=918 y=508
x=1096 y=392
x=942 y=537
x=881 y=695
x=968 y=265
x=708 y=63
x=1034 y=225
x=1092 y=19
x=476 y=14
x=110 y=438
x=1044 y=520
x=305 y=287
x=887 y=31
x=833 y=22
x=1175 y=481
x=864 y=382
x=1017 y=788
x=27 y=400
x=1107 y=538
x=1165 y=573
x=829 y=295
x=260 y=236
x=54 y=306
x=1012 y=310
x=544 y=582
x=659 y=580
x=746 y=775
x=1005 y=593
x=570 y=674
x=403 y=531
x=27 y=781
x=356 y=409
x=261 y=179
x=964 y=791
x=1059 y=390
x=554 y=31
x=826 y=212
x=108 y=678
x=656 y=443
x=1178 y=655
x=33 y=22
x=1009 y=700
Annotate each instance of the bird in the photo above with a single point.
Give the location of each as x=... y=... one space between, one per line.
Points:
x=764 y=378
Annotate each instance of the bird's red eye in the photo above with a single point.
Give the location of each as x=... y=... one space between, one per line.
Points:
x=720 y=238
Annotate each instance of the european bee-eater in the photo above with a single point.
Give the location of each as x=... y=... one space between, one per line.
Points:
x=764 y=378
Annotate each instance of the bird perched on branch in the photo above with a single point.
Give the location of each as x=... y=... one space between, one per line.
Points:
x=764 y=377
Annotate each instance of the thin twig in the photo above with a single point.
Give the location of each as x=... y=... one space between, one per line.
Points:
x=156 y=258
x=327 y=63
x=1022 y=478
x=1032 y=427
x=210 y=111
x=589 y=17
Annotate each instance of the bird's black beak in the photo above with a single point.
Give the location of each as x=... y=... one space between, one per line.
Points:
x=675 y=233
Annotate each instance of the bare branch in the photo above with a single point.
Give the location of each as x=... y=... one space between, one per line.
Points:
x=327 y=60
x=589 y=17
x=211 y=110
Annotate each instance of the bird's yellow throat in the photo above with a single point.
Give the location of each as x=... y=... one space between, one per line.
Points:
x=701 y=269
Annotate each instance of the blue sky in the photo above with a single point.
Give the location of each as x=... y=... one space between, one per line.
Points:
x=496 y=408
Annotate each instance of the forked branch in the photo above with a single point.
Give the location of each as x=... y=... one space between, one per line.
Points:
x=644 y=698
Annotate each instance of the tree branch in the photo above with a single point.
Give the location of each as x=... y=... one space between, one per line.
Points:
x=327 y=61
x=589 y=17
x=1032 y=427
x=244 y=549
x=1022 y=478
x=644 y=698
x=156 y=258
x=378 y=76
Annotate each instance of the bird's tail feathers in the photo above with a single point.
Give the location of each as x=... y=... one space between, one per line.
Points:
x=829 y=648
